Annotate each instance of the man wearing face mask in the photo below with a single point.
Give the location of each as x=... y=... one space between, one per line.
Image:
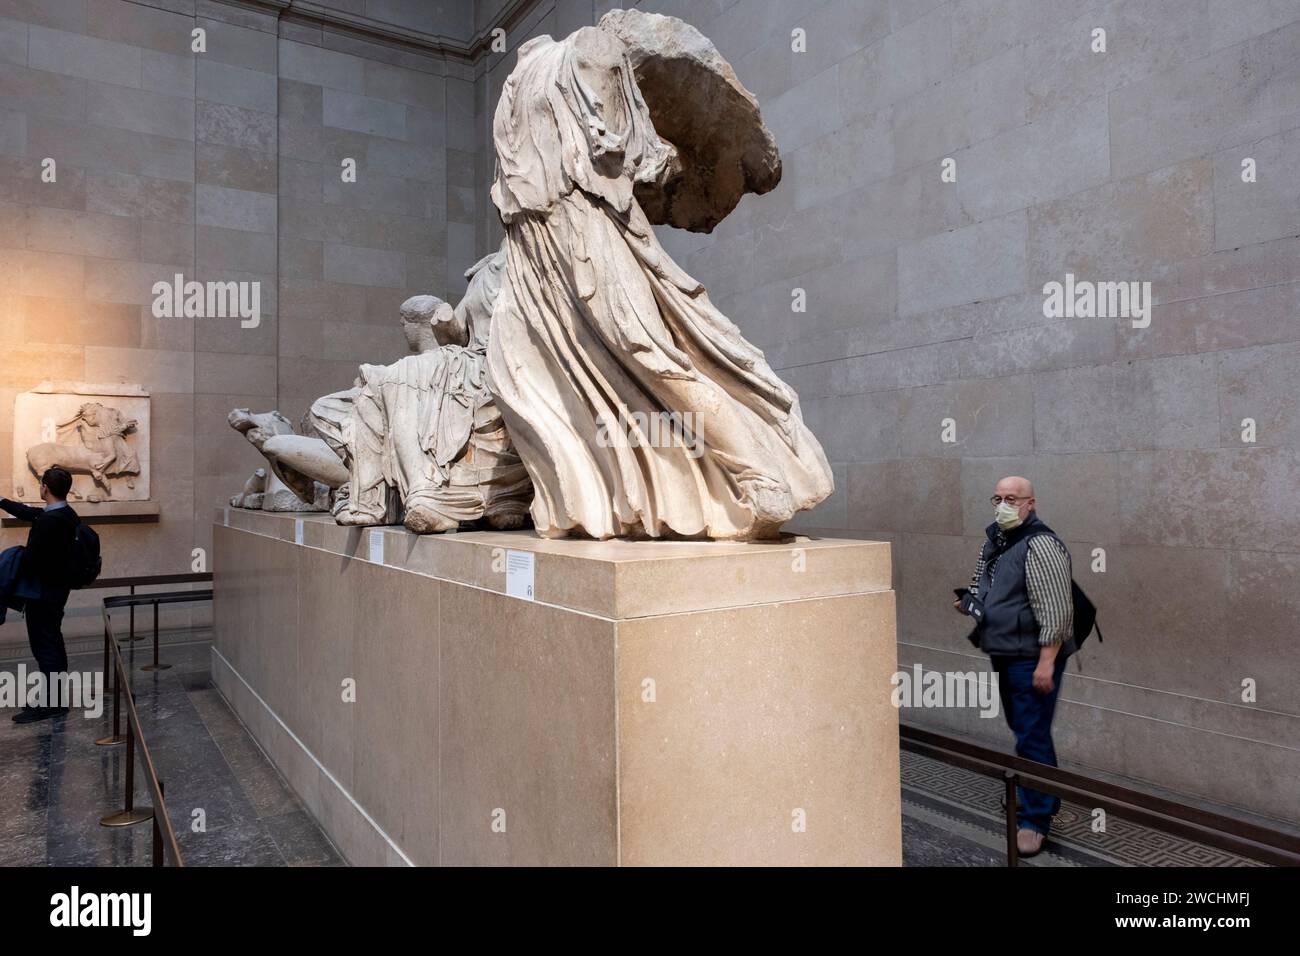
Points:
x=1020 y=595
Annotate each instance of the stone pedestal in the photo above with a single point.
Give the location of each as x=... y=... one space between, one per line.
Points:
x=652 y=702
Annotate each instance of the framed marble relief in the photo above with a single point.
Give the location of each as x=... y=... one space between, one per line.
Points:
x=99 y=433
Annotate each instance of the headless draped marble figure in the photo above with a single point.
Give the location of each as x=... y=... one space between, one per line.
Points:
x=599 y=336
x=422 y=437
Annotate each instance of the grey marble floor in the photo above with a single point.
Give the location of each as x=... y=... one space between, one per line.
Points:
x=228 y=804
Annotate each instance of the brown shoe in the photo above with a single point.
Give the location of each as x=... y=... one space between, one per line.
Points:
x=1028 y=842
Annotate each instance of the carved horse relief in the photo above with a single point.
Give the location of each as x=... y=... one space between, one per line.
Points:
x=100 y=432
x=101 y=451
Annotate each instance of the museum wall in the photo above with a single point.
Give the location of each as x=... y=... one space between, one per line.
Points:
x=924 y=302
x=222 y=166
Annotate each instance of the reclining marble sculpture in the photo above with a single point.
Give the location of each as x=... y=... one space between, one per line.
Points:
x=598 y=332
x=286 y=488
x=420 y=440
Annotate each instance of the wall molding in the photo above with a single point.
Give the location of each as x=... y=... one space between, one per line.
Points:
x=317 y=14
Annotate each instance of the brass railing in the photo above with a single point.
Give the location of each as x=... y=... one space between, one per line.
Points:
x=148 y=580
x=165 y=847
x=1246 y=839
x=162 y=597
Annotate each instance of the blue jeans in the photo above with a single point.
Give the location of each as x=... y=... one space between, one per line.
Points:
x=1029 y=715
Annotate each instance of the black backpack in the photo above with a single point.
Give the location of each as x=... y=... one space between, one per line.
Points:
x=84 y=561
x=1085 y=616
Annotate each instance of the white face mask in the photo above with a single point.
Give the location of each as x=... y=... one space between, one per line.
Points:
x=1007 y=516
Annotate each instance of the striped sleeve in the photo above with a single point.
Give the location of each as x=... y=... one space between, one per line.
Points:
x=1047 y=577
x=979 y=573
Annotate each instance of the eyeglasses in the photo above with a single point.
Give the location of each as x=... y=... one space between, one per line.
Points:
x=1012 y=500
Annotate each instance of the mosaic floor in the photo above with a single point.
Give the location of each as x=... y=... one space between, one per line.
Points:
x=952 y=817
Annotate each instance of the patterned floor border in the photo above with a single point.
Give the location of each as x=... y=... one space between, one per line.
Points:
x=969 y=805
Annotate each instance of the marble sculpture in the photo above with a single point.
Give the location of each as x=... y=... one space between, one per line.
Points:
x=101 y=448
x=598 y=333
x=253 y=496
x=420 y=440
x=423 y=434
x=286 y=488
x=98 y=432
x=584 y=371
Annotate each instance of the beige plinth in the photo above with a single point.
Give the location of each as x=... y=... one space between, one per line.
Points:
x=655 y=703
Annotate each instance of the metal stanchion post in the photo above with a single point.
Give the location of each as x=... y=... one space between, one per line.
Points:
x=129 y=816
x=115 y=738
x=131 y=636
x=157 y=830
x=155 y=666
x=1013 y=851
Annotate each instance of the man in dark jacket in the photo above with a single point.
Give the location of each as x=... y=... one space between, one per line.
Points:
x=44 y=570
x=1022 y=584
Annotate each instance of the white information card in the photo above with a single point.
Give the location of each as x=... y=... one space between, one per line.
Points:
x=519 y=574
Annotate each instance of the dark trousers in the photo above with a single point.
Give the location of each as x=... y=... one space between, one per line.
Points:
x=45 y=634
x=1029 y=715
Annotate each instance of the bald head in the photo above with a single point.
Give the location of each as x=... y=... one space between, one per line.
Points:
x=1018 y=493
x=1015 y=485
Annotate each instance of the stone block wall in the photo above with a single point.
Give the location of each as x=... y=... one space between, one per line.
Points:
x=221 y=165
